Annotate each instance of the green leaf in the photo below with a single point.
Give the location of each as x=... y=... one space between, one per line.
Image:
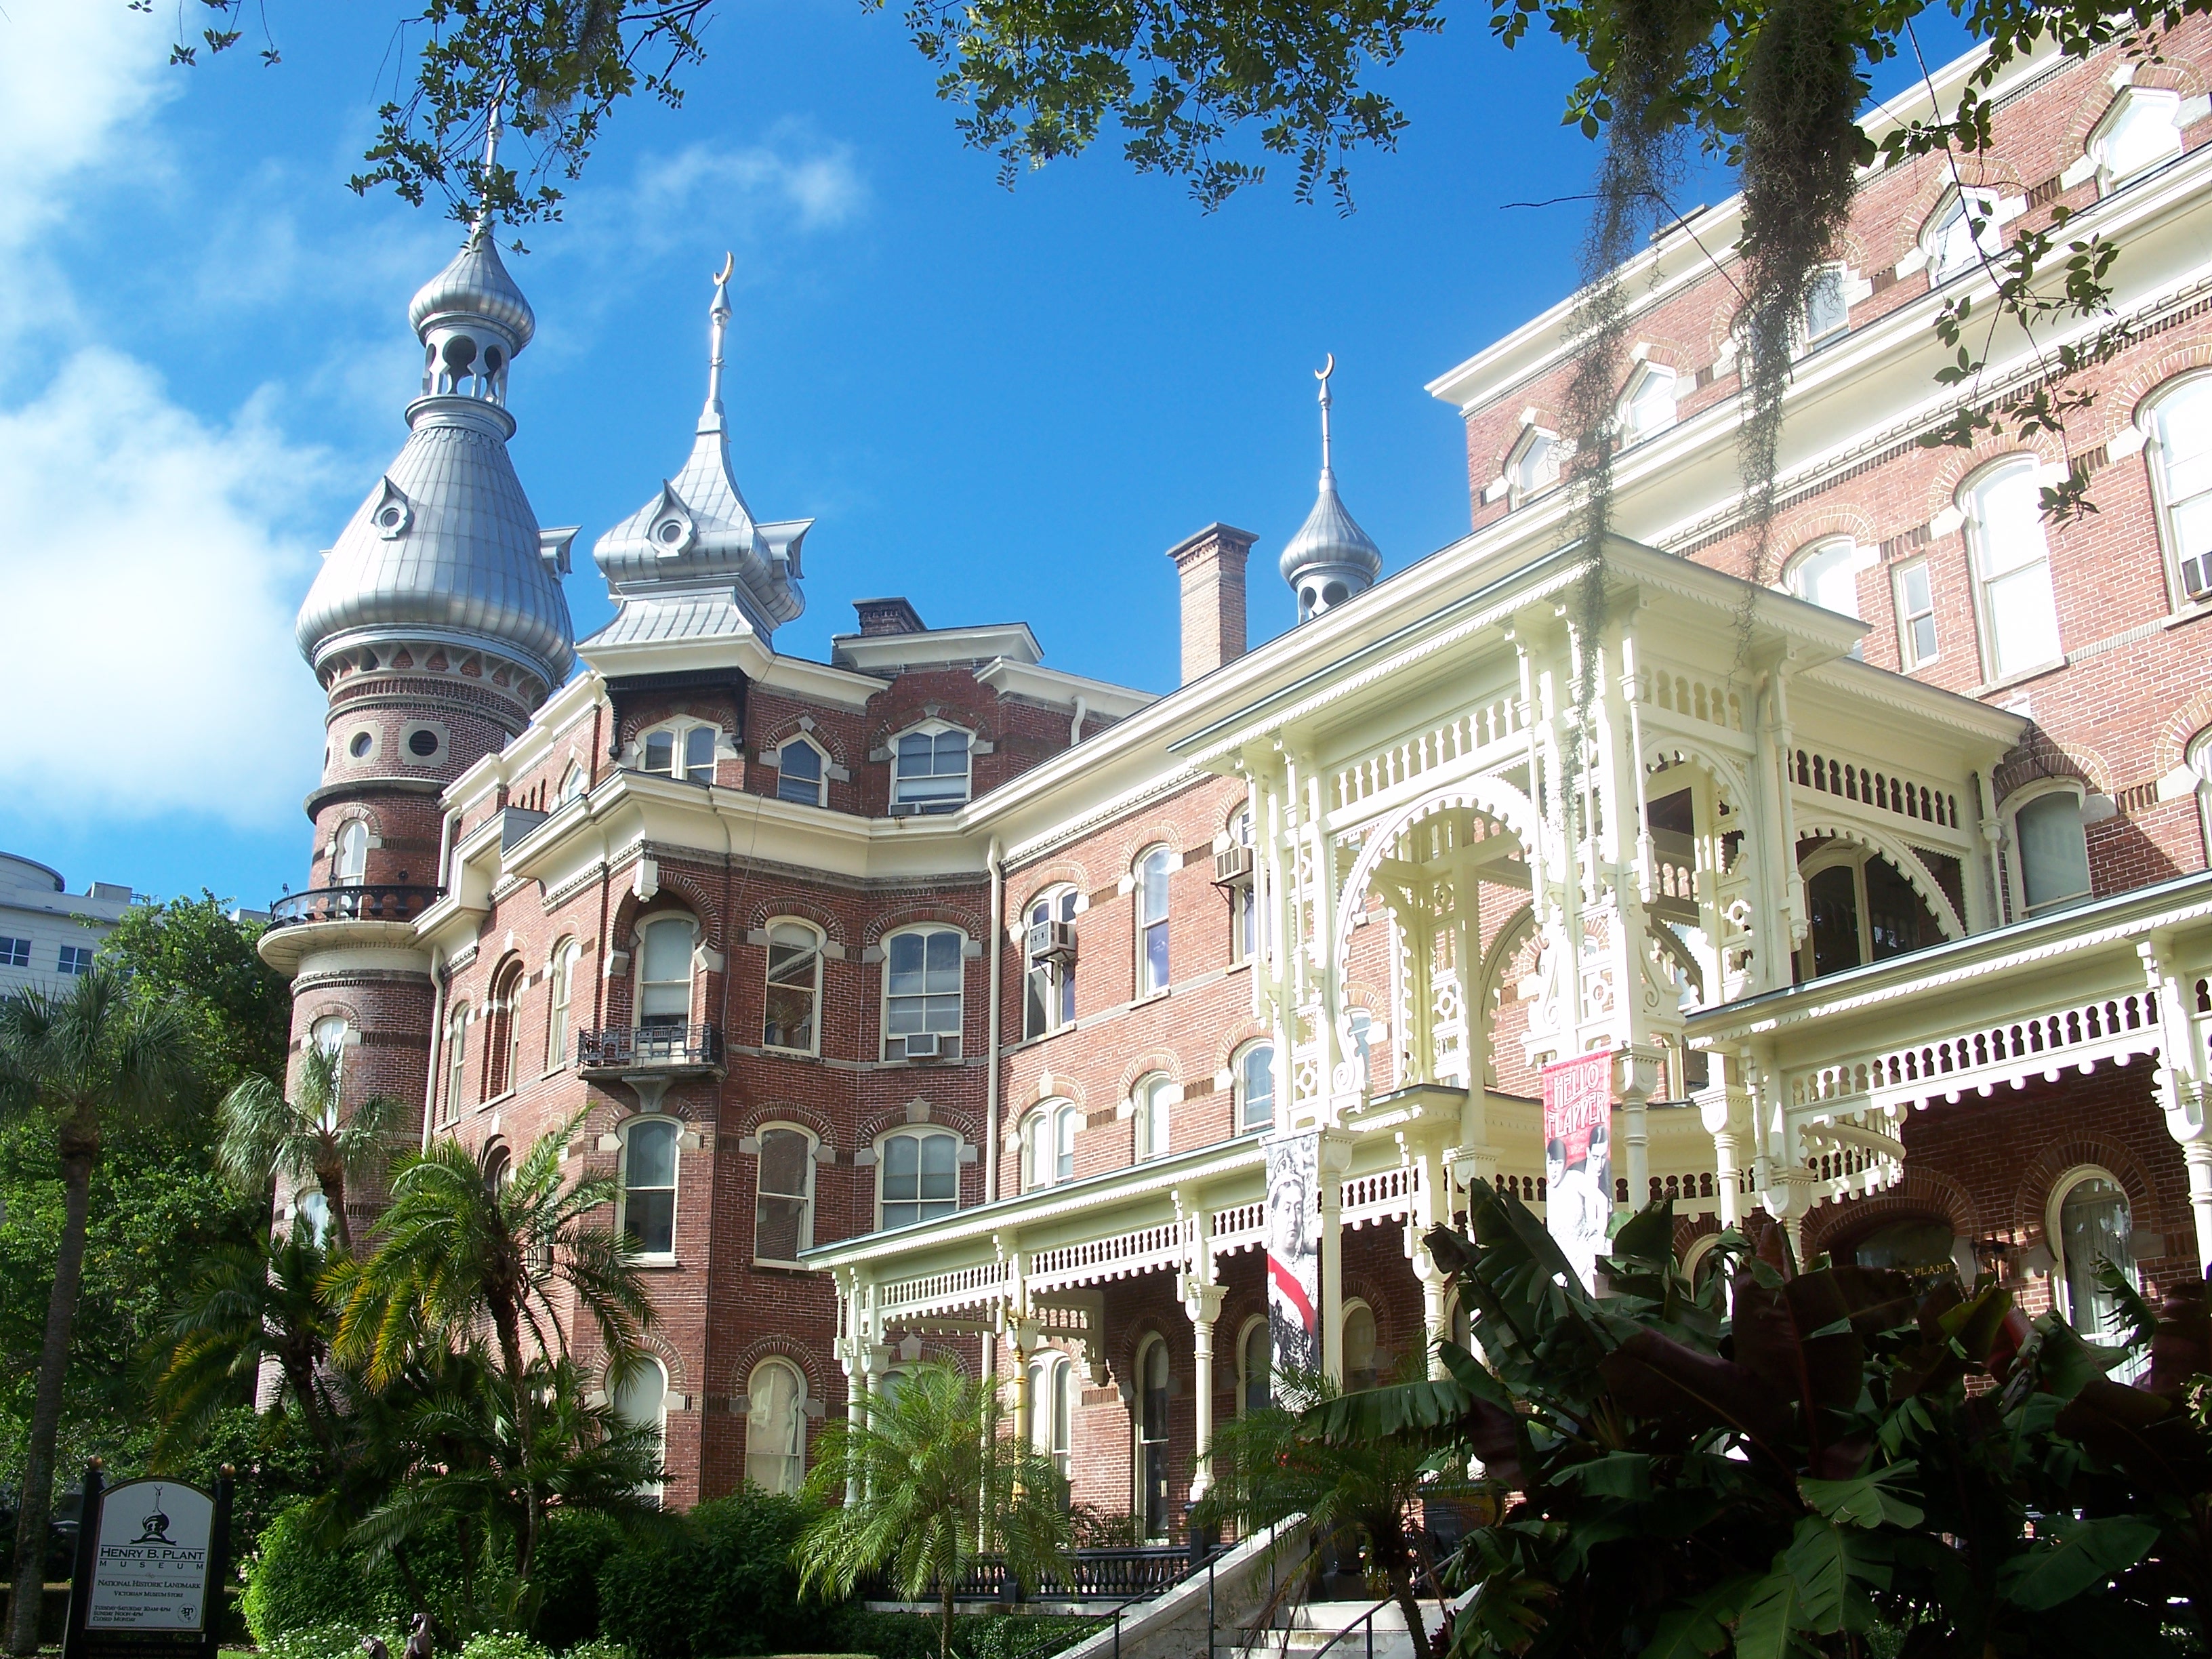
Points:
x=1865 y=1502
x=1616 y=1475
x=1829 y=1564
x=1700 y=1628
x=1769 y=1612
x=2080 y=1554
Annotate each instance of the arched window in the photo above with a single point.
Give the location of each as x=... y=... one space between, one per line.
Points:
x=1963 y=230
x=799 y=773
x=457 y=1058
x=648 y=1187
x=1360 y=1367
x=2089 y=1225
x=1149 y=1101
x=311 y=1216
x=1151 y=1413
x=1826 y=574
x=1533 y=466
x=573 y=782
x=560 y=992
x=1255 y=1086
x=790 y=1019
x=683 y=750
x=1048 y=947
x=929 y=771
x=2012 y=569
x=1052 y=1410
x=329 y=1035
x=775 y=1426
x=2141 y=129
x=664 y=972
x=640 y=1398
x=350 y=863
x=2181 y=443
x=1358 y=1032
x=917 y=1177
x=2200 y=762
x=1255 y=1367
x=502 y=1035
x=1863 y=909
x=1919 y=1245
x=1153 y=869
x=1649 y=407
x=2054 y=851
x=783 y=1214
x=1049 y=1144
x=922 y=994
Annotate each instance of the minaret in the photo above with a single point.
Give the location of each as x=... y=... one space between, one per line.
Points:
x=1331 y=558
x=437 y=625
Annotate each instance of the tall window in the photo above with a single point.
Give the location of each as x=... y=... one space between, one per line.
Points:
x=1255 y=1086
x=1863 y=910
x=664 y=972
x=2143 y=128
x=641 y=1400
x=1047 y=943
x=1963 y=231
x=776 y=1426
x=1916 y=615
x=684 y=751
x=1826 y=311
x=2183 y=428
x=930 y=771
x=1153 y=871
x=799 y=773
x=1244 y=898
x=1152 y=1437
x=329 y=1034
x=560 y=992
x=1049 y=1144
x=922 y=994
x=1649 y=408
x=1052 y=1410
x=456 y=1059
x=1360 y=1369
x=918 y=1178
x=1358 y=1032
x=783 y=1215
x=1256 y=1368
x=2093 y=1229
x=2012 y=563
x=1150 y=1100
x=793 y=1002
x=1827 y=575
x=352 y=862
x=502 y=1038
x=2054 y=853
x=648 y=1187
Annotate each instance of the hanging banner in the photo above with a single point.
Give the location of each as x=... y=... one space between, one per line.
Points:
x=151 y=1557
x=1578 y=1157
x=1294 y=1251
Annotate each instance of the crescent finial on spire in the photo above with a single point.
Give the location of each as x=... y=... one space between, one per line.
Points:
x=1322 y=374
x=729 y=264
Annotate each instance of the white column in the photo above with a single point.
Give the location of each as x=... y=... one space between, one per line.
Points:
x=2181 y=1078
x=1335 y=1155
x=1203 y=1304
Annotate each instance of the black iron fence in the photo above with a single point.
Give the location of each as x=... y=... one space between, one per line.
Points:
x=1100 y=1575
x=358 y=902
x=650 y=1045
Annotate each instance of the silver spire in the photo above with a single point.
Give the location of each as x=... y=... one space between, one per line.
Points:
x=717 y=322
x=1331 y=558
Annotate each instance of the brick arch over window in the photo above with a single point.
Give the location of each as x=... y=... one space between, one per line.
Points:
x=1799 y=529
x=803 y=1117
x=812 y=1371
x=1063 y=1088
x=1045 y=878
x=2173 y=74
x=1922 y=1192
x=1664 y=352
x=1907 y=864
x=2181 y=729
x=2126 y=400
x=1123 y=1363
x=1948 y=479
x=1235 y=1036
x=939 y=914
x=1158 y=1061
x=785 y=731
x=1689 y=1229
x=2037 y=757
x=670 y=1359
x=677 y=891
x=1389 y=1315
x=2032 y=1197
x=707 y=711
x=796 y=907
x=878 y=1124
x=322 y=1007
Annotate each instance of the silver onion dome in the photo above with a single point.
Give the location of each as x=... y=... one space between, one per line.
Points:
x=1331 y=558
x=444 y=549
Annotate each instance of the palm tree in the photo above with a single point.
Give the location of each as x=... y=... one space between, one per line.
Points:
x=939 y=1481
x=250 y=1305
x=78 y=1061
x=263 y=1135
x=1275 y=1462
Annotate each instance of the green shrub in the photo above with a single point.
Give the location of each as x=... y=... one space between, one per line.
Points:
x=597 y=1647
x=573 y=1545
x=717 y=1583
x=501 y=1645
x=974 y=1635
x=329 y=1641
x=294 y=1586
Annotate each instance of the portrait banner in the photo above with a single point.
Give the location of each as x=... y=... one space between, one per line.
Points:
x=1578 y=1157
x=1294 y=1251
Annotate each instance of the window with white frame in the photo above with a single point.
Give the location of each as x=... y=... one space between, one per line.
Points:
x=456 y=1059
x=503 y=1029
x=328 y=1036
x=1150 y=1101
x=929 y=770
x=2054 y=851
x=922 y=1000
x=2089 y=1225
x=1826 y=574
x=1255 y=1367
x=573 y=782
x=560 y=995
x=1826 y=313
x=1359 y=1048
x=1649 y=408
x=1255 y=1086
x=775 y=1426
x=1361 y=1366
x=2200 y=762
x=76 y=960
x=1533 y=465
x=1244 y=895
x=799 y=773
x=1048 y=949
x=917 y=1177
x=1863 y=909
x=648 y=1187
x=1963 y=232
x=683 y=750
x=1049 y=1144
x=640 y=1398
x=2142 y=129
x=664 y=971
x=791 y=1010
x=783 y=1212
x=2012 y=565
x=14 y=953
x=2181 y=438
x=1052 y=1410
x=311 y=1217
x=1153 y=869
x=1916 y=614
x=350 y=861
x=1151 y=1425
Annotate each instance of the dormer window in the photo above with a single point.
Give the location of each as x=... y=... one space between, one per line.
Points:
x=2142 y=130
x=929 y=771
x=799 y=773
x=1827 y=311
x=683 y=750
x=1649 y=408
x=573 y=782
x=1533 y=465
x=1963 y=233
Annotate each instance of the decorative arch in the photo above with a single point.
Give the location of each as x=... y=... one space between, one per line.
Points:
x=1919 y=1191
x=1491 y=796
x=1050 y=878
x=1158 y=1061
x=671 y=1361
x=812 y=1371
x=789 y=906
x=960 y=1124
x=2032 y=1197
x=799 y=1117
x=1906 y=861
x=938 y=915
x=1664 y=750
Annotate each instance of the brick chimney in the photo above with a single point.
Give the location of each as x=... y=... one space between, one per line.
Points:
x=1211 y=566
x=888 y=616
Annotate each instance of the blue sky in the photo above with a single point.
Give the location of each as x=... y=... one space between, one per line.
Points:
x=1000 y=404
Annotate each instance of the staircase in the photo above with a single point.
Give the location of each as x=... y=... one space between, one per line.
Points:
x=1342 y=1630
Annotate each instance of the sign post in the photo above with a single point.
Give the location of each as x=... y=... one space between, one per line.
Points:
x=1578 y=1157
x=152 y=1556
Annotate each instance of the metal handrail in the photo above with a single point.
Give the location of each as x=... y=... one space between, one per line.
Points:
x=354 y=901
x=650 y=1045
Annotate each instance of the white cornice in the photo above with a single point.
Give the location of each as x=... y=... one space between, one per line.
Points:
x=1052 y=685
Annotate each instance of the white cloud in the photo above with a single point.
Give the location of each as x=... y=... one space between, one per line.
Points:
x=72 y=73
x=745 y=194
x=150 y=667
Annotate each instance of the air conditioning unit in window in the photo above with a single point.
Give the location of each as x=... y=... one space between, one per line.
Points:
x=1231 y=866
x=923 y=1045
x=1051 y=941
x=2197 y=576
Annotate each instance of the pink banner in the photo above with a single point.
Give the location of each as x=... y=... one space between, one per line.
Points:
x=1578 y=1157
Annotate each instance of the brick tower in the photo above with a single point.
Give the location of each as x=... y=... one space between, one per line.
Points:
x=437 y=625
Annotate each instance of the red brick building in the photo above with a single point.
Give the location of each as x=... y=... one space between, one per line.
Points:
x=935 y=1002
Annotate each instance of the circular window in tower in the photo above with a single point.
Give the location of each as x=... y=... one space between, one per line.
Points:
x=422 y=742
x=391 y=517
x=671 y=533
x=359 y=746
